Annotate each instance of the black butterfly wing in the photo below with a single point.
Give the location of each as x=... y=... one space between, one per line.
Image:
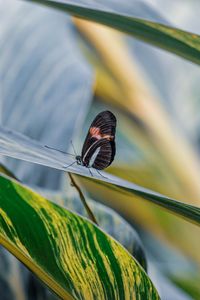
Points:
x=100 y=139
x=106 y=123
x=105 y=155
x=100 y=154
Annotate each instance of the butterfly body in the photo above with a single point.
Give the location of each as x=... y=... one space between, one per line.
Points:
x=99 y=147
x=79 y=160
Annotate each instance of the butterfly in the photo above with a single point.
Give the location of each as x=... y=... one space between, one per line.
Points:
x=99 y=149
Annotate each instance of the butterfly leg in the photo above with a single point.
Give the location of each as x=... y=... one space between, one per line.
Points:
x=69 y=165
x=90 y=172
x=101 y=174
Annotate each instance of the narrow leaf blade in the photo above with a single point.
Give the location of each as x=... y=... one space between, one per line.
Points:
x=182 y=43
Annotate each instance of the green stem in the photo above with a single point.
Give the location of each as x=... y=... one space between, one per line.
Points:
x=89 y=211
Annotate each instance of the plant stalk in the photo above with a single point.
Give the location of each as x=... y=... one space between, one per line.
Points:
x=83 y=200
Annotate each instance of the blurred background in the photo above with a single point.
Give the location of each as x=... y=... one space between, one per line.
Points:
x=57 y=72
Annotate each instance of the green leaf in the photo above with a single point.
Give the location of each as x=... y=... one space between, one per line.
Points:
x=70 y=254
x=110 y=221
x=188 y=212
x=182 y=43
x=19 y=146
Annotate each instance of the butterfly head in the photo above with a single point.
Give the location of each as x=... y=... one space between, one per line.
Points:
x=79 y=160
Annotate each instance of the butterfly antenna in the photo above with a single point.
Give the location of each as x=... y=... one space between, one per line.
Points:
x=58 y=150
x=73 y=148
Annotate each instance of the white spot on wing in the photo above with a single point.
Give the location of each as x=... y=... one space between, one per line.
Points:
x=94 y=156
